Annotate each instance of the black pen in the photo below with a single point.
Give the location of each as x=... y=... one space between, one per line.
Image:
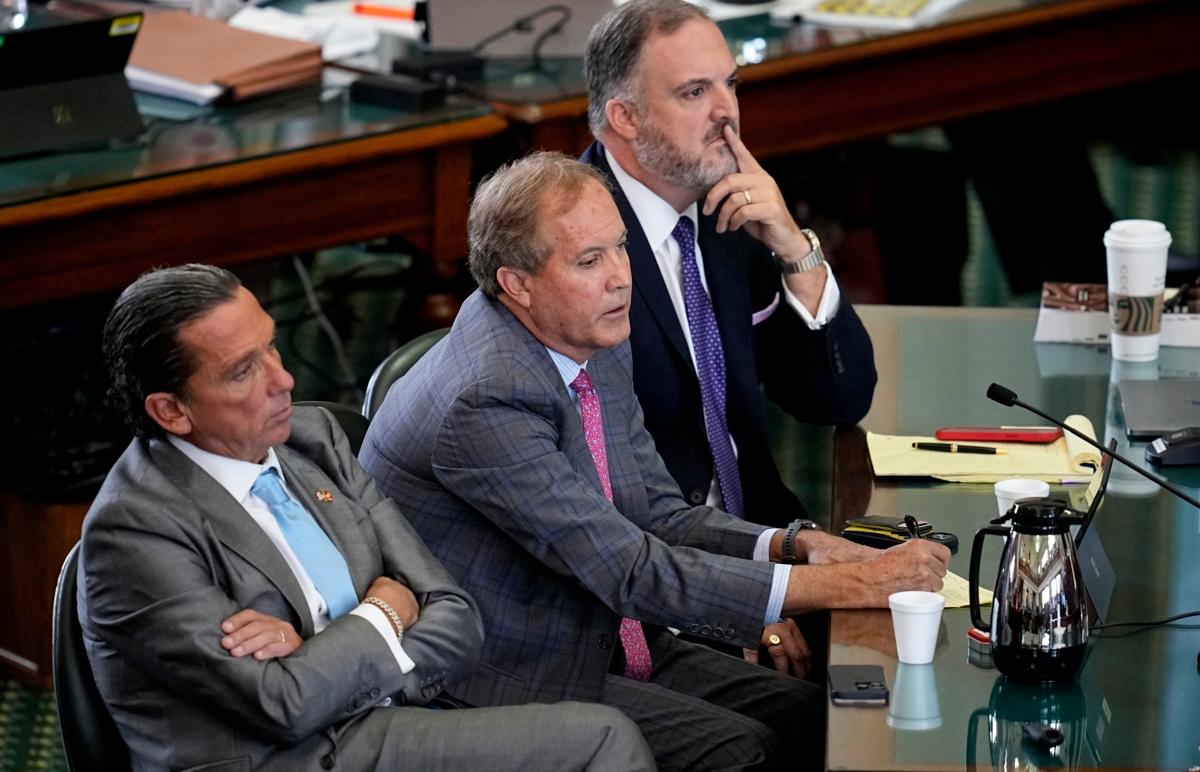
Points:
x=954 y=447
x=913 y=530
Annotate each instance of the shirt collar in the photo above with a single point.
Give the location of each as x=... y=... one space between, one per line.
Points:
x=654 y=214
x=567 y=368
x=233 y=474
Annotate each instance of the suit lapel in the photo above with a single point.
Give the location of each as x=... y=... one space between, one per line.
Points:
x=232 y=525
x=648 y=285
x=530 y=351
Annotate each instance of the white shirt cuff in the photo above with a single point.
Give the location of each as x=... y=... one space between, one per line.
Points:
x=380 y=622
x=762 y=547
x=778 y=590
x=831 y=298
x=762 y=553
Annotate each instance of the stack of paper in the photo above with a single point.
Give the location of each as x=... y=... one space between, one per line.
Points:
x=200 y=60
x=869 y=14
x=1066 y=460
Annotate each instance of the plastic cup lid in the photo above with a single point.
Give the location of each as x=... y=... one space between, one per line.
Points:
x=1137 y=234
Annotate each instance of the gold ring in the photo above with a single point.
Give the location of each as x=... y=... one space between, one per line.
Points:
x=774 y=640
x=282 y=636
x=749 y=200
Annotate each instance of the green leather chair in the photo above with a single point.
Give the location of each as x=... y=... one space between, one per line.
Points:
x=353 y=423
x=90 y=738
x=395 y=365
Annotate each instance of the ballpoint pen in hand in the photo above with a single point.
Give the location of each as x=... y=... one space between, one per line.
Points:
x=913 y=530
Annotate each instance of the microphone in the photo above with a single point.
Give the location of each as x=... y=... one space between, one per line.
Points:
x=1008 y=398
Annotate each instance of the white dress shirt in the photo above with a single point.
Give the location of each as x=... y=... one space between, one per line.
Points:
x=237 y=477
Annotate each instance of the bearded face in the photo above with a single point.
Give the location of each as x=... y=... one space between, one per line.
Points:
x=698 y=169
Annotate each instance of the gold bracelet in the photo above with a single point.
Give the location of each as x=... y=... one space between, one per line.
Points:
x=393 y=617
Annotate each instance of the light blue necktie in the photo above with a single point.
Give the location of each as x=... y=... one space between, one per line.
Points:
x=324 y=564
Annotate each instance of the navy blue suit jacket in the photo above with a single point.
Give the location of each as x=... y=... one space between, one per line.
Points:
x=822 y=376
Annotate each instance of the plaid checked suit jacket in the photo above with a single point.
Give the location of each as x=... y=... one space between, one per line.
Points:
x=483 y=448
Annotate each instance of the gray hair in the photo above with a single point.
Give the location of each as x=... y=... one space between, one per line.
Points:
x=503 y=227
x=614 y=48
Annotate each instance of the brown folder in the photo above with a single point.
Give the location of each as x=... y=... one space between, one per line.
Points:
x=199 y=51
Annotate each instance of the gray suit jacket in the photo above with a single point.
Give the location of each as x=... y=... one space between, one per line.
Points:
x=483 y=444
x=168 y=554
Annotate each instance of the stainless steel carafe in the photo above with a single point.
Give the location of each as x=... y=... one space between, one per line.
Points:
x=1039 y=612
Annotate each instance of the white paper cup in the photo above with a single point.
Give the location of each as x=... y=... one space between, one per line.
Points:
x=1137 y=271
x=1008 y=491
x=916 y=616
x=914 y=704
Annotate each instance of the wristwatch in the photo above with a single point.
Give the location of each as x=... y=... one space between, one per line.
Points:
x=789 y=537
x=806 y=263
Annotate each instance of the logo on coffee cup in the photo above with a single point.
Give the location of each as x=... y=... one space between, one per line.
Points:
x=1134 y=315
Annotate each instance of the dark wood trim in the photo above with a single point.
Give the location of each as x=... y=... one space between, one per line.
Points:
x=412 y=183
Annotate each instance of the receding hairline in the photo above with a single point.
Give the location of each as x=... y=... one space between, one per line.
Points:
x=560 y=206
x=226 y=364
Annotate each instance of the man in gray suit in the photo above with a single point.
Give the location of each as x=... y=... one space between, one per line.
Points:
x=249 y=600
x=519 y=451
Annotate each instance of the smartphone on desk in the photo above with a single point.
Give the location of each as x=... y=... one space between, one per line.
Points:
x=858 y=685
x=1041 y=434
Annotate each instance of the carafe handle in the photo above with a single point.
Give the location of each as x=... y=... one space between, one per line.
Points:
x=973 y=575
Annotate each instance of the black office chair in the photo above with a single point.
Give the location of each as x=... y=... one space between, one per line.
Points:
x=395 y=365
x=90 y=737
x=353 y=423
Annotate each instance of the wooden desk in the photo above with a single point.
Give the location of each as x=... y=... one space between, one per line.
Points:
x=1136 y=703
x=818 y=88
x=275 y=179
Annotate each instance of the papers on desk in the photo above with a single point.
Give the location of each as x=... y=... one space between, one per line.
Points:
x=957 y=592
x=339 y=35
x=867 y=14
x=200 y=60
x=1066 y=460
x=719 y=11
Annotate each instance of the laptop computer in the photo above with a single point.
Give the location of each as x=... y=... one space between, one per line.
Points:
x=1155 y=408
x=461 y=25
x=62 y=82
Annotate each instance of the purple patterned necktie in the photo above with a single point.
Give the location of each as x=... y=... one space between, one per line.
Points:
x=633 y=638
x=710 y=361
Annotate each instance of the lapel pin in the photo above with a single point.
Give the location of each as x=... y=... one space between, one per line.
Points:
x=324 y=496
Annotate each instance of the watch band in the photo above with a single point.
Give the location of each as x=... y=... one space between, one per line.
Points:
x=806 y=263
x=789 y=537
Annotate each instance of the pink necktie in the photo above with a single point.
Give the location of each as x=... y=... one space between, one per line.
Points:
x=633 y=638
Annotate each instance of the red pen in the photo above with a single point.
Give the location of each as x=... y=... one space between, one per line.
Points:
x=383 y=11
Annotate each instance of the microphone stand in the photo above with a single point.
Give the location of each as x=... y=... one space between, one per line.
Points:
x=1008 y=398
x=525 y=24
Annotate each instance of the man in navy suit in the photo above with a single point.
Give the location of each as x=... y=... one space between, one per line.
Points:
x=761 y=306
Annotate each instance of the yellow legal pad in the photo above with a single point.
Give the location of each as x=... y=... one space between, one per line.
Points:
x=1066 y=460
x=956 y=590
